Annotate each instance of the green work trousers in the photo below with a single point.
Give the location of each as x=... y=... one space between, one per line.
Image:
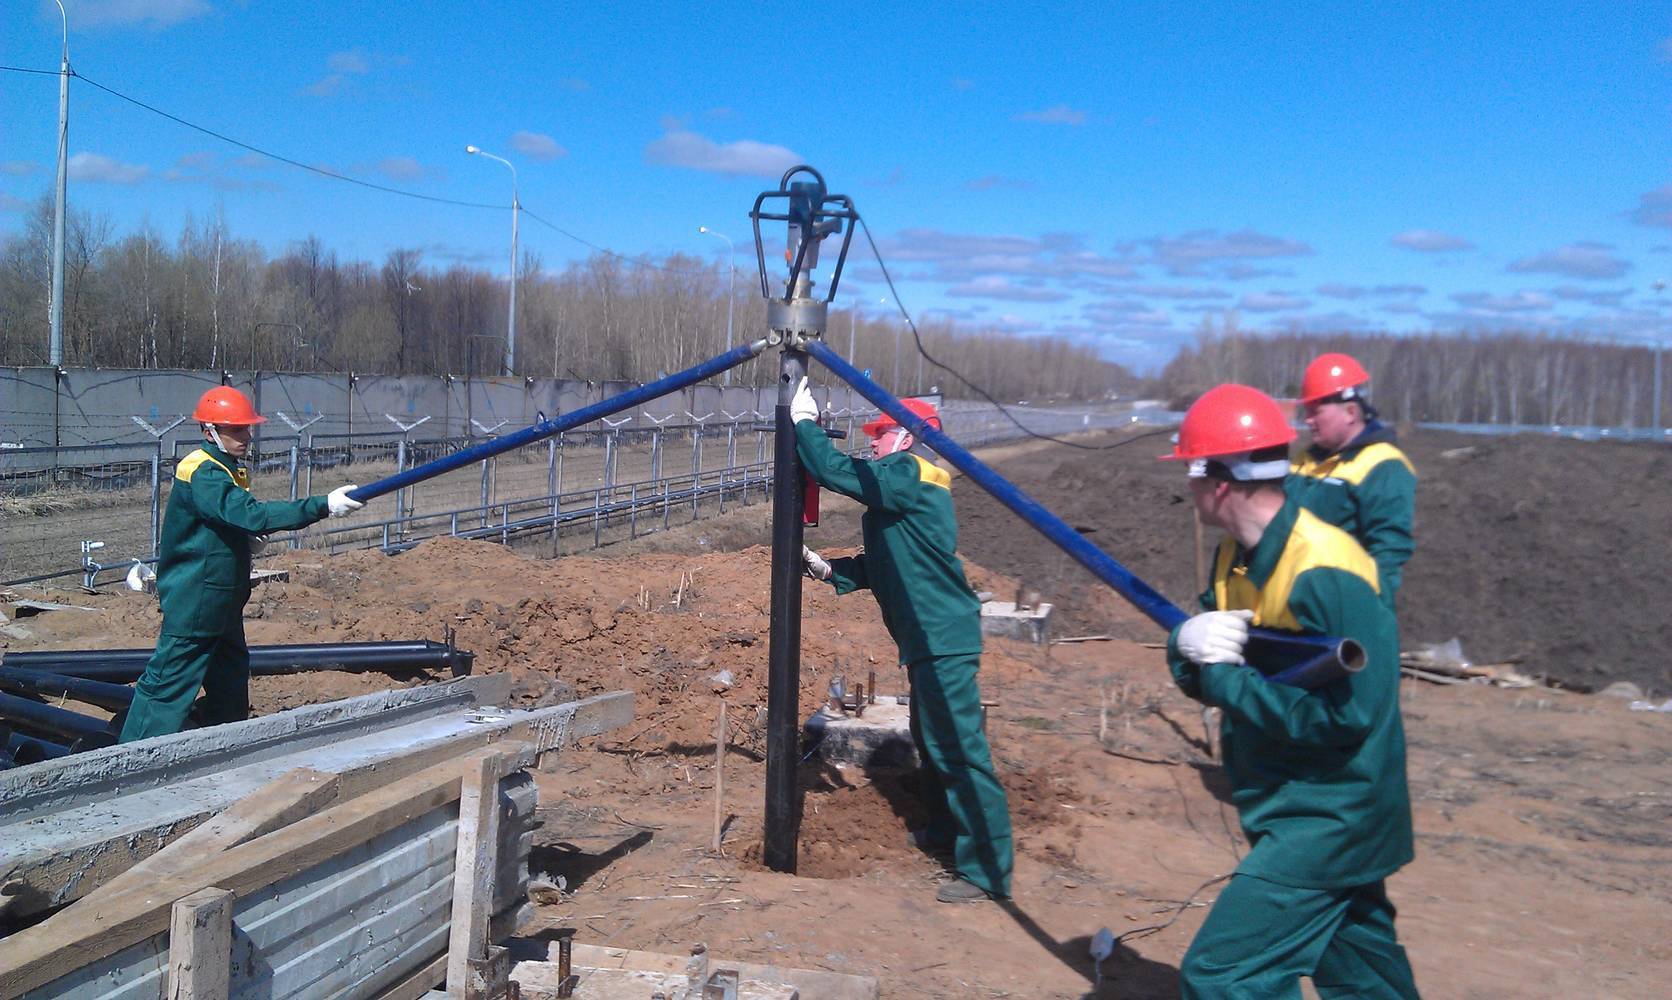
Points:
x=1261 y=937
x=966 y=802
x=219 y=664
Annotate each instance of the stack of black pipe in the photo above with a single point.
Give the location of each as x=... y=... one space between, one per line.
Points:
x=33 y=730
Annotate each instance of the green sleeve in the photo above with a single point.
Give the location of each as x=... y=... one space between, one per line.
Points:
x=1340 y=714
x=1187 y=674
x=222 y=501
x=889 y=484
x=847 y=574
x=1386 y=510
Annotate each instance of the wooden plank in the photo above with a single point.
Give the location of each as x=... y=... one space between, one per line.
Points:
x=37 y=955
x=475 y=864
x=81 y=841
x=419 y=985
x=200 y=947
x=279 y=803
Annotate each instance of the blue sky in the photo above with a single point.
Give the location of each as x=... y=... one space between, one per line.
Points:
x=1116 y=173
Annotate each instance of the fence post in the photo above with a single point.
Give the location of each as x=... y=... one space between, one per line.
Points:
x=597 y=525
x=295 y=455
x=666 y=503
x=308 y=476
x=156 y=498
x=633 y=512
x=400 y=495
x=486 y=474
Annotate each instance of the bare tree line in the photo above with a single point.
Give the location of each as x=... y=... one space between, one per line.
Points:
x=1504 y=378
x=210 y=299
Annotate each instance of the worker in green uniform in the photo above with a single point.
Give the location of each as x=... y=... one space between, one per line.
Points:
x=910 y=565
x=1353 y=475
x=1317 y=776
x=212 y=528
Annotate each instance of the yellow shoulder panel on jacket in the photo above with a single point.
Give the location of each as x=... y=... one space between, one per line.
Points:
x=188 y=466
x=932 y=474
x=1312 y=544
x=1350 y=470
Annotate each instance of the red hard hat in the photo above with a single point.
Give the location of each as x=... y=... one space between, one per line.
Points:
x=1231 y=419
x=885 y=423
x=1330 y=374
x=226 y=407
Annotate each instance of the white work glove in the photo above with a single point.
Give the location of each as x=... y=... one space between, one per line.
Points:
x=803 y=406
x=142 y=579
x=1215 y=637
x=338 y=502
x=258 y=545
x=817 y=568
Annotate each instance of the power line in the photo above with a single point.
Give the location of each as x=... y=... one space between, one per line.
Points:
x=333 y=175
x=918 y=340
x=321 y=171
x=604 y=250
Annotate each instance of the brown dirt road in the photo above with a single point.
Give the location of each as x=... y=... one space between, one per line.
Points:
x=1542 y=817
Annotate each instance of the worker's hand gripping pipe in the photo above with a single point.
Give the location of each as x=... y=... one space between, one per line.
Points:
x=557 y=425
x=1311 y=661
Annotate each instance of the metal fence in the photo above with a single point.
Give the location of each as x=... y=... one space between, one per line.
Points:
x=612 y=479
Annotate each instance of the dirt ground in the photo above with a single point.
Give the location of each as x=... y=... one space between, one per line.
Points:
x=1542 y=816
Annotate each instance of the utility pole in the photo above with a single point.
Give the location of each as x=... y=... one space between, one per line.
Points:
x=55 y=351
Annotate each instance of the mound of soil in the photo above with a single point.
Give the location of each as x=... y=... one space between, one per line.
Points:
x=1545 y=550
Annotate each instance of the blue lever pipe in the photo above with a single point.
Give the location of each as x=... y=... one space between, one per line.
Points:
x=557 y=425
x=1308 y=661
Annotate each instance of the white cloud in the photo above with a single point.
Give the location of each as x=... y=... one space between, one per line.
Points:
x=100 y=169
x=325 y=86
x=1665 y=49
x=1587 y=261
x=994 y=286
x=574 y=84
x=1270 y=302
x=1654 y=208
x=746 y=157
x=1514 y=302
x=1057 y=114
x=1340 y=291
x=196 y=161
x=11 y=204
x=1430 y=241
x=1594 y=296
x=349 y=61
x=537 y=146
x=1182 y=292
x=1192 y=252
x=961 y=83
x=400 y=168
x=992 y=181
x=151 y=13
x=18 y=168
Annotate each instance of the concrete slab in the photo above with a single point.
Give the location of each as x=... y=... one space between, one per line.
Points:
x=68 y=826
x=539 y=981
x=880 y=736
x=811 y=983
x=1004 y=620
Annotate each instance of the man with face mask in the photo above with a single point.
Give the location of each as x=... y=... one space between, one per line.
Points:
x=1354 y=476
x=212 y=527
x=910 y=565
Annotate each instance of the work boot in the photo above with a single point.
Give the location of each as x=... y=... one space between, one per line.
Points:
x=960 y=891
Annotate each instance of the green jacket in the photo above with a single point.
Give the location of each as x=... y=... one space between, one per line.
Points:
x=1367 y=489
x=203 y=559
x=1318 y=777
x=911 y=538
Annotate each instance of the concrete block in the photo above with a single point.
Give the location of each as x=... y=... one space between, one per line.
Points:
x=880 y=736
x=1003 y=619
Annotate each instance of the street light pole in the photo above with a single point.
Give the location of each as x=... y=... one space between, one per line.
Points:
x=55 y=349
x=731 y=262
x=516 y=206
